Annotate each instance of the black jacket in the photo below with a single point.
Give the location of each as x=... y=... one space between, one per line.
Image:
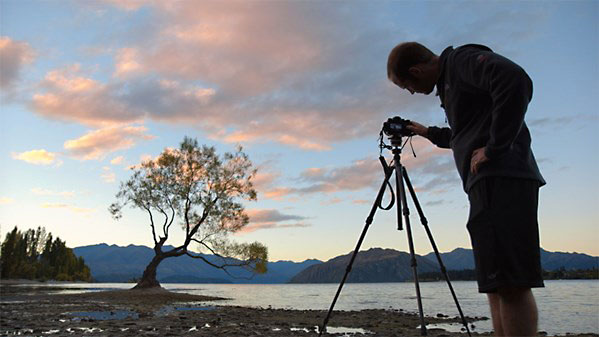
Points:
x=485 y=97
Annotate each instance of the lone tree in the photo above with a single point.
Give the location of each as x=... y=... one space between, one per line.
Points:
x=201 y=191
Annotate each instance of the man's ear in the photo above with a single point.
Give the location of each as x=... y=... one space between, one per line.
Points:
x=415 y=71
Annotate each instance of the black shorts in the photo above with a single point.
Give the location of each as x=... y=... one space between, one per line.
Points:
x=504 y=233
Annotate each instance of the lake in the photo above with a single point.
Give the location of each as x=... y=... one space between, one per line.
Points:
x=564 y=305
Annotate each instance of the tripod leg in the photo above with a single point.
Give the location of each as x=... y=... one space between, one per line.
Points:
x=424 y=222
x=399 y=169
x=369 y=219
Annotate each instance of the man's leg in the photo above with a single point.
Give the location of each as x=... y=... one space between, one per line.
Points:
x=495 y=304
x=518 y=311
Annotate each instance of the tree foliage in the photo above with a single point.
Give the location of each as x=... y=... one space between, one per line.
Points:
x=201 y=193
x=34 y=254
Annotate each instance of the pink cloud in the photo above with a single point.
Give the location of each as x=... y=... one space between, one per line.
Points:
x=432 y=171
x=70 y=96
x=95 y=145
x=241 y=72
x=14 y=55
x=117 y=160
x=127 y=62
x=271 y=218
x=278 y=72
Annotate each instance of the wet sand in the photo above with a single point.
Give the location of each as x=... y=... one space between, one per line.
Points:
x=37 y=311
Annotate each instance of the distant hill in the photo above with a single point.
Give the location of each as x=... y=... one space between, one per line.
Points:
x=388 y=265
x=373 y=265
x=112 y=263
x=461 y=258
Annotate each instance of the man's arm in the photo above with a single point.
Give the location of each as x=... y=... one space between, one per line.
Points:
x=510 y=89
x=438 y=136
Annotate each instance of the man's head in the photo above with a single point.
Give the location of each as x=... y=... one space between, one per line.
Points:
x=413 y=67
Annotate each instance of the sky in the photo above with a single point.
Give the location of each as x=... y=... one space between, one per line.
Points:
x=91 y=88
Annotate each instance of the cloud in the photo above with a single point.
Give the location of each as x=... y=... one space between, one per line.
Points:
x=557 y=122
x=14 y=55
x=108 y=176
x=6 y=200
x=284 y=72
x=432 y=170
x=117 y=160
x=42 y=191
x=271 y=218
x=360 y=174
x=38 y=157
x=95 y=145
x=67 y=206
x=72 y=96
x=128 y=5
x=332 y=201
x=266 y=182
x=438 y=202
x=126 y=62
x=54 y=205
x=241 y=72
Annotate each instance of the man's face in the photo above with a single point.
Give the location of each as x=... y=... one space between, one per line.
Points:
x=422 y=80
x=416 y=85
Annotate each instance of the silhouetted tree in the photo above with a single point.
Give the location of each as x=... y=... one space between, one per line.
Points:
x=193 y=185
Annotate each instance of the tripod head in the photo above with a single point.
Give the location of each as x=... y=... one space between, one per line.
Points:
x=397 y=143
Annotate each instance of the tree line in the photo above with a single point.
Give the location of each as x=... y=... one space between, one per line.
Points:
x=36 y=255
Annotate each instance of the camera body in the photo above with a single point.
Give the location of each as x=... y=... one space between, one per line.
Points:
x=397 y=127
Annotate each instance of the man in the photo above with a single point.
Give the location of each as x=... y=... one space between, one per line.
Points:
x=485 y=97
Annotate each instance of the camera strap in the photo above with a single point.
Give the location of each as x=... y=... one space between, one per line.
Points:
x=387 y=169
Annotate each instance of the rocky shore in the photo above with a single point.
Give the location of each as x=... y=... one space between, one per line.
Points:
x=36 y=311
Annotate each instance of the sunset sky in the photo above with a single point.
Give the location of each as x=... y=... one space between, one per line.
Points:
x=90 y=88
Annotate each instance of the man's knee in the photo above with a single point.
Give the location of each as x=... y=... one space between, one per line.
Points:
x=509 y=293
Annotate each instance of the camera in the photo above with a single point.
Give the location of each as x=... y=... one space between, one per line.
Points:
x=397 y=127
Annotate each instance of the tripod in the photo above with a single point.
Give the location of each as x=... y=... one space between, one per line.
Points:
x=401 y=175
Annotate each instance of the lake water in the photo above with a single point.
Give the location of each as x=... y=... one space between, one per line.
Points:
x=564 y=306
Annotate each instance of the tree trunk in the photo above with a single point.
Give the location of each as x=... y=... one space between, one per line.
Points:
x=148 y=280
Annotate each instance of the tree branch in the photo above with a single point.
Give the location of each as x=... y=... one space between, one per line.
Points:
x=172 y=215
x=152 y=224
x=187 y=208
x=201 y=221
x=223 y=267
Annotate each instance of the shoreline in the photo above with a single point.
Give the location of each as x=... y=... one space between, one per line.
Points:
x=158 y=312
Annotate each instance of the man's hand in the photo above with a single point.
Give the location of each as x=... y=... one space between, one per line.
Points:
x=478 y=159
x=418 y=129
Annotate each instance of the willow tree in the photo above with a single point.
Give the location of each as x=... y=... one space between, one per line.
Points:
x=201 y=193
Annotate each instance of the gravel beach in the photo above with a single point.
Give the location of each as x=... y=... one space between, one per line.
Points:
x=36 y=311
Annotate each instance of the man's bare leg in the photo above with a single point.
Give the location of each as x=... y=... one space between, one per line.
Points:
x=495 y=304
x=514 y=312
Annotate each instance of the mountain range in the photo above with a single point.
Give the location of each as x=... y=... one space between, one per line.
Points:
x=387 y=265
x=373 y=265
x=112 y=263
